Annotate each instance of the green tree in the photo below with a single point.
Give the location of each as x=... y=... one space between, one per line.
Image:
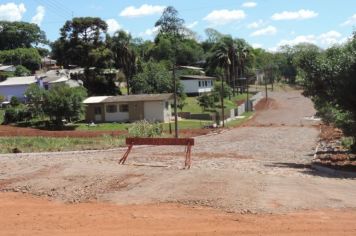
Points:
x=20 y=35
x=330 y=83
x=63 y=102
x=206 y=101
x=34 y=97
x=154 y=78
x=28 y=57
x=22 y=71
x=124 y=56
x=79 y=37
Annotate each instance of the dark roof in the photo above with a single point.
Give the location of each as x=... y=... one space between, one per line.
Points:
x=196 y=77
x=139 y=97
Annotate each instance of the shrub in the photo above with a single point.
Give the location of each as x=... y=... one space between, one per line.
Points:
x=14 y=101
x=17 y=114
x=145 y=129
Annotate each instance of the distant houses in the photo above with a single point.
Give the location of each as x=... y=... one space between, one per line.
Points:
x=7 y=68
x=129 y=108
x=17 y=86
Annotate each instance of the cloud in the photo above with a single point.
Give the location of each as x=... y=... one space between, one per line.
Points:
x=295 y=15
x=38 y=18
x=350 y=21
x=269 y=30
x=299 y=39
x=222 y=17
x=256 y=24
x=192 y=25
x=325 y=39
x=143 y=10
x=150 y=32
x=11 y=11
x=249 y=4
x=329 y=38
x=113 y=25
x=256 y=45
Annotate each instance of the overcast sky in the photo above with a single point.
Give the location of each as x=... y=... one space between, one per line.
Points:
x=263 y=23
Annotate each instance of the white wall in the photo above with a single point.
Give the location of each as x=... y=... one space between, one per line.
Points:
x=117 y=116
x=192 y=86
x=154 y=111
x=13 y=91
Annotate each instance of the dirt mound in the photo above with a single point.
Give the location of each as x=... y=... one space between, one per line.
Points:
x=264 y=104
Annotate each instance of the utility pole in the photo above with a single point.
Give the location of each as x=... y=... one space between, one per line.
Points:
x=265 y=79
x=222 y=102
x=175 y=100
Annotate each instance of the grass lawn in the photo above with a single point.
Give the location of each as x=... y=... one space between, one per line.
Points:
x=193 y=107
x=45 y=144
x=184 y=124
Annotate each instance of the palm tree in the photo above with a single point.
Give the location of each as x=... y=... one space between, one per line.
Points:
x=124 y=55
x=219 y=57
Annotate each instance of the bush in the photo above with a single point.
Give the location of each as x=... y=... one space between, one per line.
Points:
x=217 y=91
x=17 y=114
x=14 y=101
x=145 y=129
x=206 y=101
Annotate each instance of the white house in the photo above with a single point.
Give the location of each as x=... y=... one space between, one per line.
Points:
x=197 y=84
x=7 y=68
x=128 y=108
x=16 y=86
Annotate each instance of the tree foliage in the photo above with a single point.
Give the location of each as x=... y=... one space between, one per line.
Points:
x=28 y=57
x=331 y=84
x=20 y=35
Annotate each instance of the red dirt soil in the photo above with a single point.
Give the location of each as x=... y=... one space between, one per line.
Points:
x=24 y=215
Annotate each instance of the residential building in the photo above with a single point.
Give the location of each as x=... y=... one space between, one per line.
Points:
x=7 y=68
x=197 y=84
x=129 y=108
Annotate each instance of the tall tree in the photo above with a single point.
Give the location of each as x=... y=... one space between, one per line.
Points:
x=171 y=25
x=79 y=37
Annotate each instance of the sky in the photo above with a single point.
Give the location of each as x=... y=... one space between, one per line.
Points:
x=268 y=24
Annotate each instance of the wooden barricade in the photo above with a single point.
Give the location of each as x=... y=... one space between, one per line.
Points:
x=188 y=142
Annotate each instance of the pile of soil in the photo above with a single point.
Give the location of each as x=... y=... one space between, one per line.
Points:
x=330 y=153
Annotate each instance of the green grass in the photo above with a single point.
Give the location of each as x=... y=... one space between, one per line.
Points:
x=237 y=122
x=45 y=144
x=192 y=106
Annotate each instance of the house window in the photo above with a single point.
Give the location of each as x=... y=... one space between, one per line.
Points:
x=166 y=105
x=199 y=83
x=206 y=83
x=97 y=110
x=111 y=108
x=211 y=82
x=124 y=108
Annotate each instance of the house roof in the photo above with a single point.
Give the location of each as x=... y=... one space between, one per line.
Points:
x=129 y=98
x=95 y=99
x=197 y=77
x=191 y=67
x=24 y=80
x=4 y=67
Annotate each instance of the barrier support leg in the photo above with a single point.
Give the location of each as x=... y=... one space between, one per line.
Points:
x=123 y=159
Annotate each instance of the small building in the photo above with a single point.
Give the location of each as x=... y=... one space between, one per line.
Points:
x=197 y=84
x=7 y=68
x=16 y=87
x=129 y=108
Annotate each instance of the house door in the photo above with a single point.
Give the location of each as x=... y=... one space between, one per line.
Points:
x=97 y=114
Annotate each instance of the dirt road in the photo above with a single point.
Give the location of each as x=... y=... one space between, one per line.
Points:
x=34 y=216
x=260 y=168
